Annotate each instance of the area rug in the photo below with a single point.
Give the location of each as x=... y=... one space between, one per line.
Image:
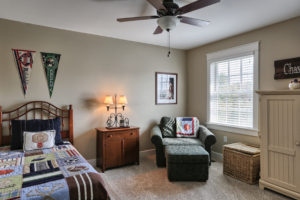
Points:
x=148 y=182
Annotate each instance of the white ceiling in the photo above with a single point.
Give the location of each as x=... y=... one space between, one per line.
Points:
x=228 y=18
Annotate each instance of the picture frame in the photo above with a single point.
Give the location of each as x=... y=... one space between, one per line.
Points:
x=166 y=85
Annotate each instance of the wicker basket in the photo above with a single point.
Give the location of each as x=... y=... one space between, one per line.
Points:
x=242 y=162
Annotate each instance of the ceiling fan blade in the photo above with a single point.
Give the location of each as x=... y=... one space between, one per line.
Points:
x=195 y=6
x=193 y=21
x=136 y=18
x=157 y=4
x=158 y=30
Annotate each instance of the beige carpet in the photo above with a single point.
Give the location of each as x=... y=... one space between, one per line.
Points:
x=147 y=182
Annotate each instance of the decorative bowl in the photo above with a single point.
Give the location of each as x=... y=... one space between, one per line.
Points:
x=294 y=85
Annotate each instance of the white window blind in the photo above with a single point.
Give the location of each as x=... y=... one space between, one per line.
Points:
x=231 y=95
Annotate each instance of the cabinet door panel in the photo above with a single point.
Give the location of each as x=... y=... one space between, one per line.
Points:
x=130 y=150
x=113 y=152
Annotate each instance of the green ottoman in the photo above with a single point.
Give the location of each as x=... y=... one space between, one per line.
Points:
x=187 y=163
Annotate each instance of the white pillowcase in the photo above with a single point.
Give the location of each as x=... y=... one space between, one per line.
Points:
x=38 y=140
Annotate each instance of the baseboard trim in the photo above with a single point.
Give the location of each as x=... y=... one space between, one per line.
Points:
x=147 y=152
x=217 y=156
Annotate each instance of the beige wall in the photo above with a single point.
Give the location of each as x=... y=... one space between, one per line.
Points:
x=278 y=41
x=93 y=66
x=90 y=68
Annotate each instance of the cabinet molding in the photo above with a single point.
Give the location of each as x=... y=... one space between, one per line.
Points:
x=279 y=134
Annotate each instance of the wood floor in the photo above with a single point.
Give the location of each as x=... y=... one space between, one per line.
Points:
x=147 y=182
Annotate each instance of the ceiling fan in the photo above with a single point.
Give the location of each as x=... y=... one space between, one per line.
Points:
x=169 y=14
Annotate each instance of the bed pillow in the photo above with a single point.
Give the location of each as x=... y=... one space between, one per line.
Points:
x=168 y=127
x=187 y=126
x=38 y=140
x=53 y=124
x=19 y=126
x=17 y=129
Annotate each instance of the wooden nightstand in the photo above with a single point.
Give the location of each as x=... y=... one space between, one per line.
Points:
x=117 y=147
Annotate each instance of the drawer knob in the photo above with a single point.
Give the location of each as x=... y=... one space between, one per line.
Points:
x=109 y=136
x=297 y=143
x=131 y=133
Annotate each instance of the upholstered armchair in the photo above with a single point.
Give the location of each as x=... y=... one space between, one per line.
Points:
x=205 y=139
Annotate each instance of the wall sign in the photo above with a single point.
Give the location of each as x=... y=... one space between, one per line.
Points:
x=288 y=68
x=24 y=61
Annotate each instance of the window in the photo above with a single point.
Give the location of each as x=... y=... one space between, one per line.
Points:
x=232 y=80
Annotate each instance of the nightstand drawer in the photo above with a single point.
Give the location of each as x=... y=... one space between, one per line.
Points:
x=129 y=133
x=111 y=135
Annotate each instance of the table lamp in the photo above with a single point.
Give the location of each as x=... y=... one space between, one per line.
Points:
x=112 y=121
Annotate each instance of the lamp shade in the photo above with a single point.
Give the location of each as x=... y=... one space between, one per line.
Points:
x=123 y=100
x=108 y=100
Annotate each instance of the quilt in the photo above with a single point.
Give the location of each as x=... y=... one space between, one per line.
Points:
x=57 y=173
x=187 y=126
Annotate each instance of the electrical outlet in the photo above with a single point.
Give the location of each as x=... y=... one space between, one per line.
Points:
x=225 y=139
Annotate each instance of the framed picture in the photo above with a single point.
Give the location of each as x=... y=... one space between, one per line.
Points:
x=165 y=88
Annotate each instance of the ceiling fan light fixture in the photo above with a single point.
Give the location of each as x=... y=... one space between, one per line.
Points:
x=168 y=22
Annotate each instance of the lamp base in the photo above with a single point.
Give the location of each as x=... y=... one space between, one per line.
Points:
x=120 y=127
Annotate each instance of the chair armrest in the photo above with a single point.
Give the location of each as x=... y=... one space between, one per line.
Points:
x=156 y=136
x=206 y=136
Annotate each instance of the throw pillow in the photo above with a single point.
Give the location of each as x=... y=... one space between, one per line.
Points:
x=187 y=126
x=19 y=126
x=168 y=127
x=39 y=140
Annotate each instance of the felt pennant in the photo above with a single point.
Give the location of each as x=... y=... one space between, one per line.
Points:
x=24 y=61
x=50 y=62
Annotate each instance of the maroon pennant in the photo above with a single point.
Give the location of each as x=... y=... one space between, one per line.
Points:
x=24 y=60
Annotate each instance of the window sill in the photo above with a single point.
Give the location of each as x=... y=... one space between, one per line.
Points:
x=232 y=129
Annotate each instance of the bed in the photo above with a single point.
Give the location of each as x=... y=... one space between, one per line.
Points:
x=59 y=172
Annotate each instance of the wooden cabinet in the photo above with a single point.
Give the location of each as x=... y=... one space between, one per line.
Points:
x=117 y=147
x=280 y=141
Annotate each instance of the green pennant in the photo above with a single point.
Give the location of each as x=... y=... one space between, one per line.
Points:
x=50 y=62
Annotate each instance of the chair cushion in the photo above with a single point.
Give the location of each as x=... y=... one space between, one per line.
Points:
x=186 y=154
x=182 y=141
x=168 y=127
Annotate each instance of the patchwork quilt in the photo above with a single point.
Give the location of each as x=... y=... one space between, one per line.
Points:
x=56 y=173
x=187 y=126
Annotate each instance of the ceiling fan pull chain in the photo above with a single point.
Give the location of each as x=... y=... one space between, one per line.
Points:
x=169 y=43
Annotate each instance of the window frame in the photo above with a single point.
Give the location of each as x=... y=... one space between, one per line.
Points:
x=239 y=51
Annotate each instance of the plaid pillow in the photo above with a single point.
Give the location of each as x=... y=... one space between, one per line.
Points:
x=187 y=126
x=168 y=127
